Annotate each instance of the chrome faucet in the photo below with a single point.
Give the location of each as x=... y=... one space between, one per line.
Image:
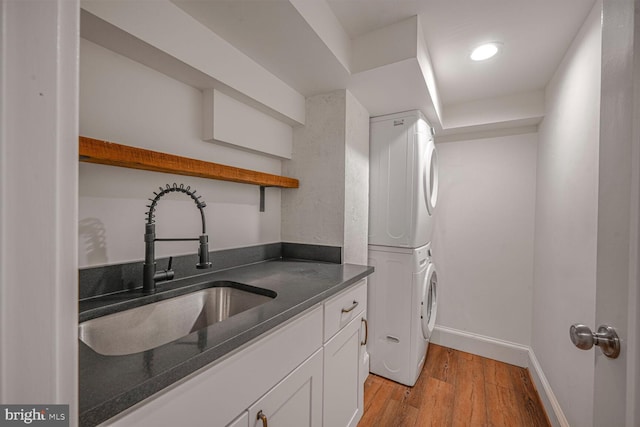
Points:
x=150 y=276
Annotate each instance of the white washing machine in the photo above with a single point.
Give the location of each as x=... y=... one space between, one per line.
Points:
x=403 y=184
x=402 y=306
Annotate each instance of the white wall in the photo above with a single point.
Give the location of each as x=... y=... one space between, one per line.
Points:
x=38 y=209
x=330 y=157
x=191 y=52
x=125 y=102
x=356 y=198
x=228 y=120
x=314 y=214
x=566 y=222
x=483 y=236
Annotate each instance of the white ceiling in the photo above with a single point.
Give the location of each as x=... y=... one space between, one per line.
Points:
x=274 y=35
x=535 y=34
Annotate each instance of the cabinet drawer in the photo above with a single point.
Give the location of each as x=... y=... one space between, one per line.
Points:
x=343 y=308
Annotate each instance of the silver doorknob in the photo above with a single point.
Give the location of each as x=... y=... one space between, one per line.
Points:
x=606 y=338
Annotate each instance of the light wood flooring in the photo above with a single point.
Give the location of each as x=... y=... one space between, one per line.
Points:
x=455 y=389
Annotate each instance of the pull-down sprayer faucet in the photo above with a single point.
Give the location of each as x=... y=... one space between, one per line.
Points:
x=150 y=276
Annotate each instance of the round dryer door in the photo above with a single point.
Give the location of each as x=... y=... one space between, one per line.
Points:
x=429 y=304
x=430 y=177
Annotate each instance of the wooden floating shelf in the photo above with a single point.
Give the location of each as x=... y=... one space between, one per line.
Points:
x=110 y=153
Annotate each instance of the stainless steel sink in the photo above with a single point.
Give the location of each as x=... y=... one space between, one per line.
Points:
x=152 y=325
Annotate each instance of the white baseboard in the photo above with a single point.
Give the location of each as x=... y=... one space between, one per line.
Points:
x=492 y=348
x=549 y=401
x=507 y=352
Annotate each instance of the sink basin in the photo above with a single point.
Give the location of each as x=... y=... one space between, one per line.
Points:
x=152 y=325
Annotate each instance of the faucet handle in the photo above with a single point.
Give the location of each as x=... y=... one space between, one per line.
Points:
x=164 y=275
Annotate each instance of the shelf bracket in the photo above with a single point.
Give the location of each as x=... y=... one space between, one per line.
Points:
x=262 y=187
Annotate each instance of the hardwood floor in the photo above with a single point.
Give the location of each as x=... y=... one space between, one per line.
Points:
x=455 y=389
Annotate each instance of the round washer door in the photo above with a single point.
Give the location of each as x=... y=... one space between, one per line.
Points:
x=430 y=177
x=429 y=304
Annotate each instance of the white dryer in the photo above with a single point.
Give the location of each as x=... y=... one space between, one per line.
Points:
x=403 y=184
x=402 y=306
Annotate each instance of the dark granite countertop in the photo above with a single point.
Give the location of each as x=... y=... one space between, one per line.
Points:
x=111 y=384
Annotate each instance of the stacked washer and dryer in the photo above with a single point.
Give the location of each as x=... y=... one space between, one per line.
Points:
x=402 y=298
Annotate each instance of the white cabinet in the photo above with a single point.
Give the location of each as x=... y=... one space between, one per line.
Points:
x=241 y=421
x=309 y=372
x=341 y=363
x=343 y=358
x=296 y=401
x=216 y=395
x=341 y=309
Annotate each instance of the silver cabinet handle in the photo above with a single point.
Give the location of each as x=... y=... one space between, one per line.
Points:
x=366 y=332
x=606 y=338
x=347 y=310
x=262 y=417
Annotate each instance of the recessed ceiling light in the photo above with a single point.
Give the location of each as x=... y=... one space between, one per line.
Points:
x=485 y=51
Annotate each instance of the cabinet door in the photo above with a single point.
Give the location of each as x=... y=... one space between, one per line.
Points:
x=241 y=421
x=296 y=401
x=342 y=361
x=217 y=394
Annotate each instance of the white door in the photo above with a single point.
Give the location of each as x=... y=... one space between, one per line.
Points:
x=616 y=383
x=618 y=199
